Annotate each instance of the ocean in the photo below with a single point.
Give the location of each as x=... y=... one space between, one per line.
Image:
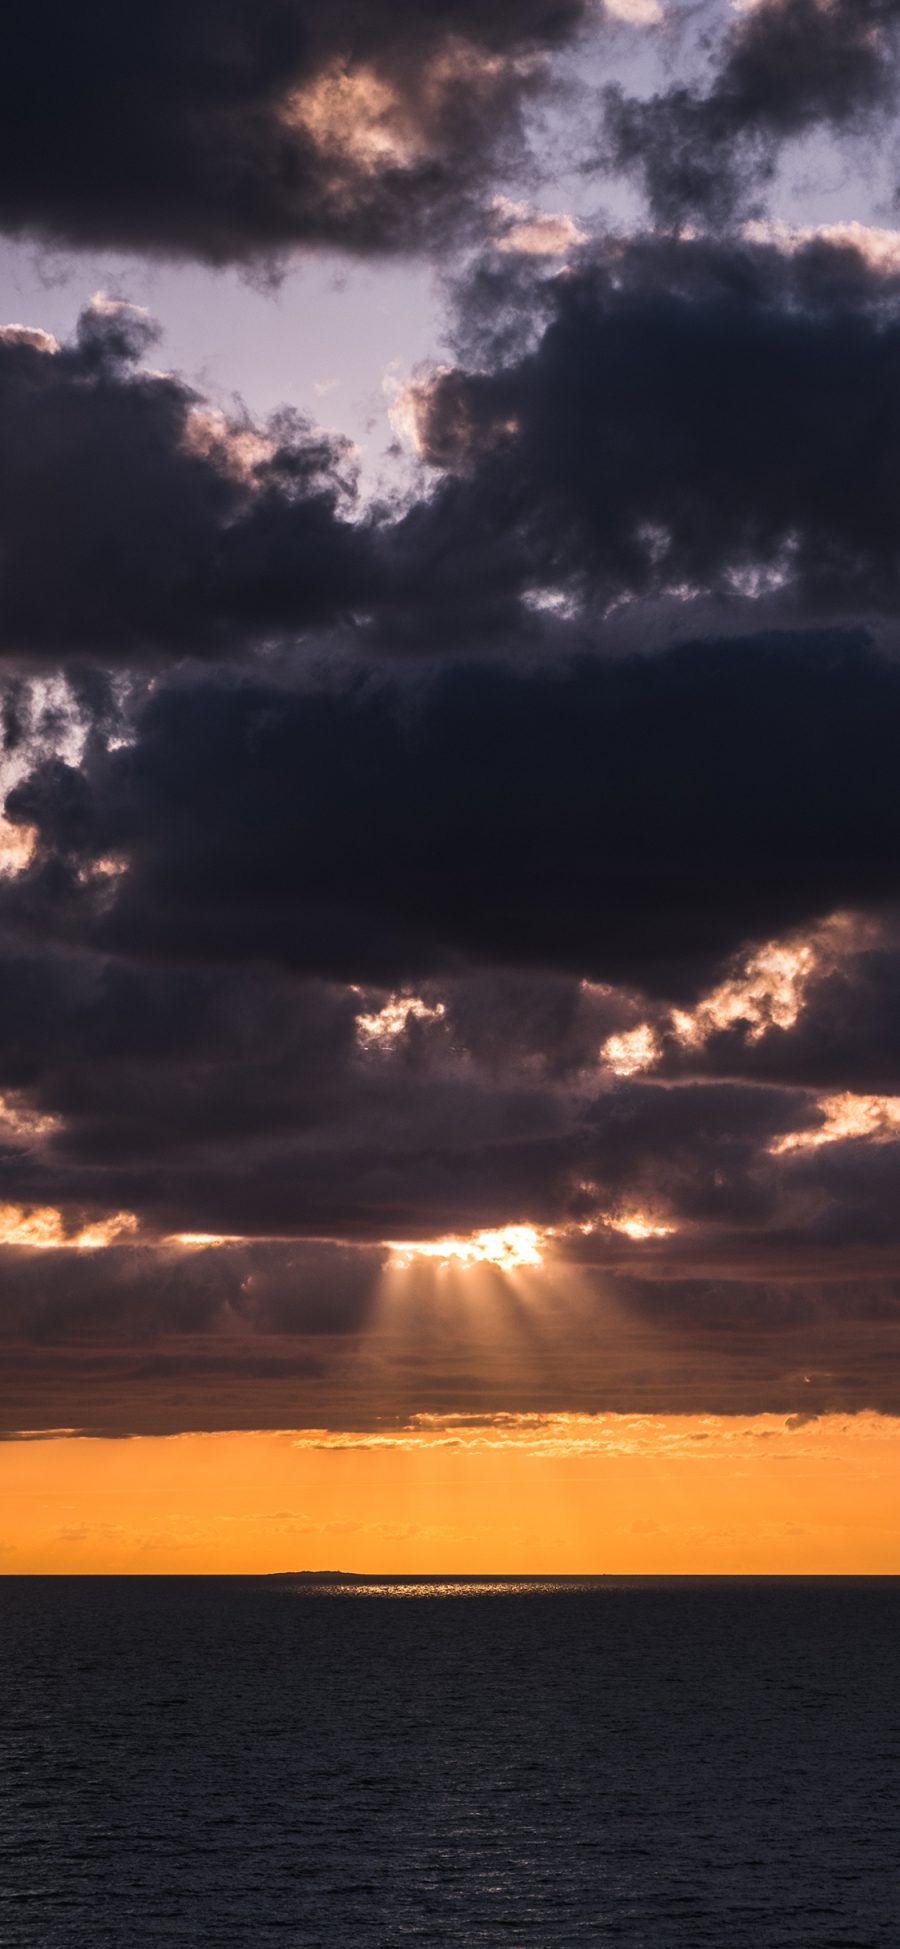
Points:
x=640 y=1761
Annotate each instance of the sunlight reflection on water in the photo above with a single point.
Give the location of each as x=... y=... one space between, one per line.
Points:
x=441 y=1586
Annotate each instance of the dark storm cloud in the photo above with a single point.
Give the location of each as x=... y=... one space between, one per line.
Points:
x=547 y=1025
x=202 y=1101
x=632 y=821
x=233 y=130
x=493 y=836
x=636 y=1345
x=237 y=1100
x=846 y=1035
x=785 y=67
x=756 y=1347
x=132 y=1296
x=149 y=1056
x=132 y=520
x=163 y=1339
x=453 y=1161
x=692 y=421
x=229 y=1102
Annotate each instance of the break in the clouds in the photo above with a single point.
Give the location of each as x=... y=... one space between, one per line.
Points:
x=707 y=150
x=686 y=423
x=235 y=131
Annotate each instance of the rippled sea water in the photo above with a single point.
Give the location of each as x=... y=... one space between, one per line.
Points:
x=640 y=1761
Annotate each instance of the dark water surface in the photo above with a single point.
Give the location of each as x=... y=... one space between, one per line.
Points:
x=640 y=1761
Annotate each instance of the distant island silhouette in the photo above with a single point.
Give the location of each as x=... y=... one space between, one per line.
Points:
x=321 y=1576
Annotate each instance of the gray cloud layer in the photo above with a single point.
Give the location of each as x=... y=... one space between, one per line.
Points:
x=469 y=861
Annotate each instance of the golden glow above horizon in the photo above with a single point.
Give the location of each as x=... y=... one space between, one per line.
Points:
x=846 y=1117
x=239 y=450
x=632 y=1051
x=519 y=1494
x=510 y=1248
x=17 y=847
x=507 y=1248
x=534 y=233
x=767 y=991
x=381 y=1027
x=202 y=1240
x=365 y=122
x=40 y=341
x=564 y=1434
x=878 y=246
x=638 y=1225
x=20 y=1124
x=41 y=1228
x=354 y=115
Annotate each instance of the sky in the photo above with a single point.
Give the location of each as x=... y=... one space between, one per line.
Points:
x=450 y=855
